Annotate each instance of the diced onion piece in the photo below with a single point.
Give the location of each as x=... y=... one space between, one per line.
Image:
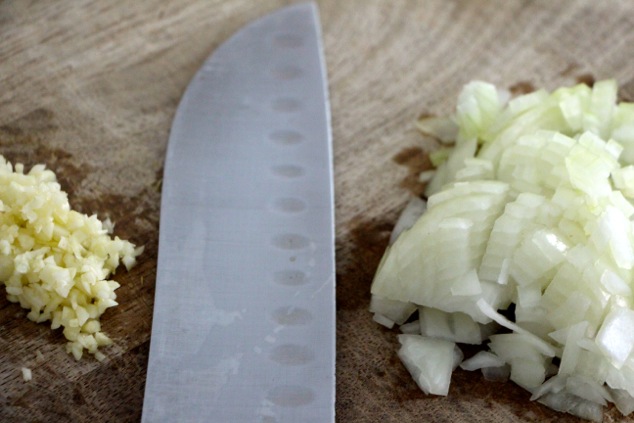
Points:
x=410 y=214
x=542 y=346
x=497 y=373
x=442 y=128
x=430 y=362
x=26 y=374
x=482 y=359
x=528 y=374
x=387 y=312
x=411 y=328
x=588 y=389
x=426 y=176
x=572 y=350
x=569 y=403
x=455 y=327
x=448 y=169
x=479 y=103
x=623 y=401
x=382 y=320
x=623 y=179
x=616 y=336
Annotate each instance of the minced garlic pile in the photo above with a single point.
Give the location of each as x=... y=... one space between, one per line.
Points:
x=56 y=261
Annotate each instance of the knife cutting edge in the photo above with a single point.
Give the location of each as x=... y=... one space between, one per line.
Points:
x=243 y=327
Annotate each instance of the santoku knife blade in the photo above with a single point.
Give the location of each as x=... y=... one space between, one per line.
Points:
x=243 y=326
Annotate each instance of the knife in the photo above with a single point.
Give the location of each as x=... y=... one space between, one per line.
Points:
x=243 y=324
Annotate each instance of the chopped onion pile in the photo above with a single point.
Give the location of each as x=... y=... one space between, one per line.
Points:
x=55 y=261
x=526 y=246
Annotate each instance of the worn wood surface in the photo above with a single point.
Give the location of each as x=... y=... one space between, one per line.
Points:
x=90 y=87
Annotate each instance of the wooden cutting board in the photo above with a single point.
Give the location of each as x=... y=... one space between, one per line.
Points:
x=90 y=87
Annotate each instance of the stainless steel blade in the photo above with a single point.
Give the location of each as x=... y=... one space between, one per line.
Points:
x=243 y=327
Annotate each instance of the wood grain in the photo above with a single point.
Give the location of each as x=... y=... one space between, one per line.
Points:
x=90 y=89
